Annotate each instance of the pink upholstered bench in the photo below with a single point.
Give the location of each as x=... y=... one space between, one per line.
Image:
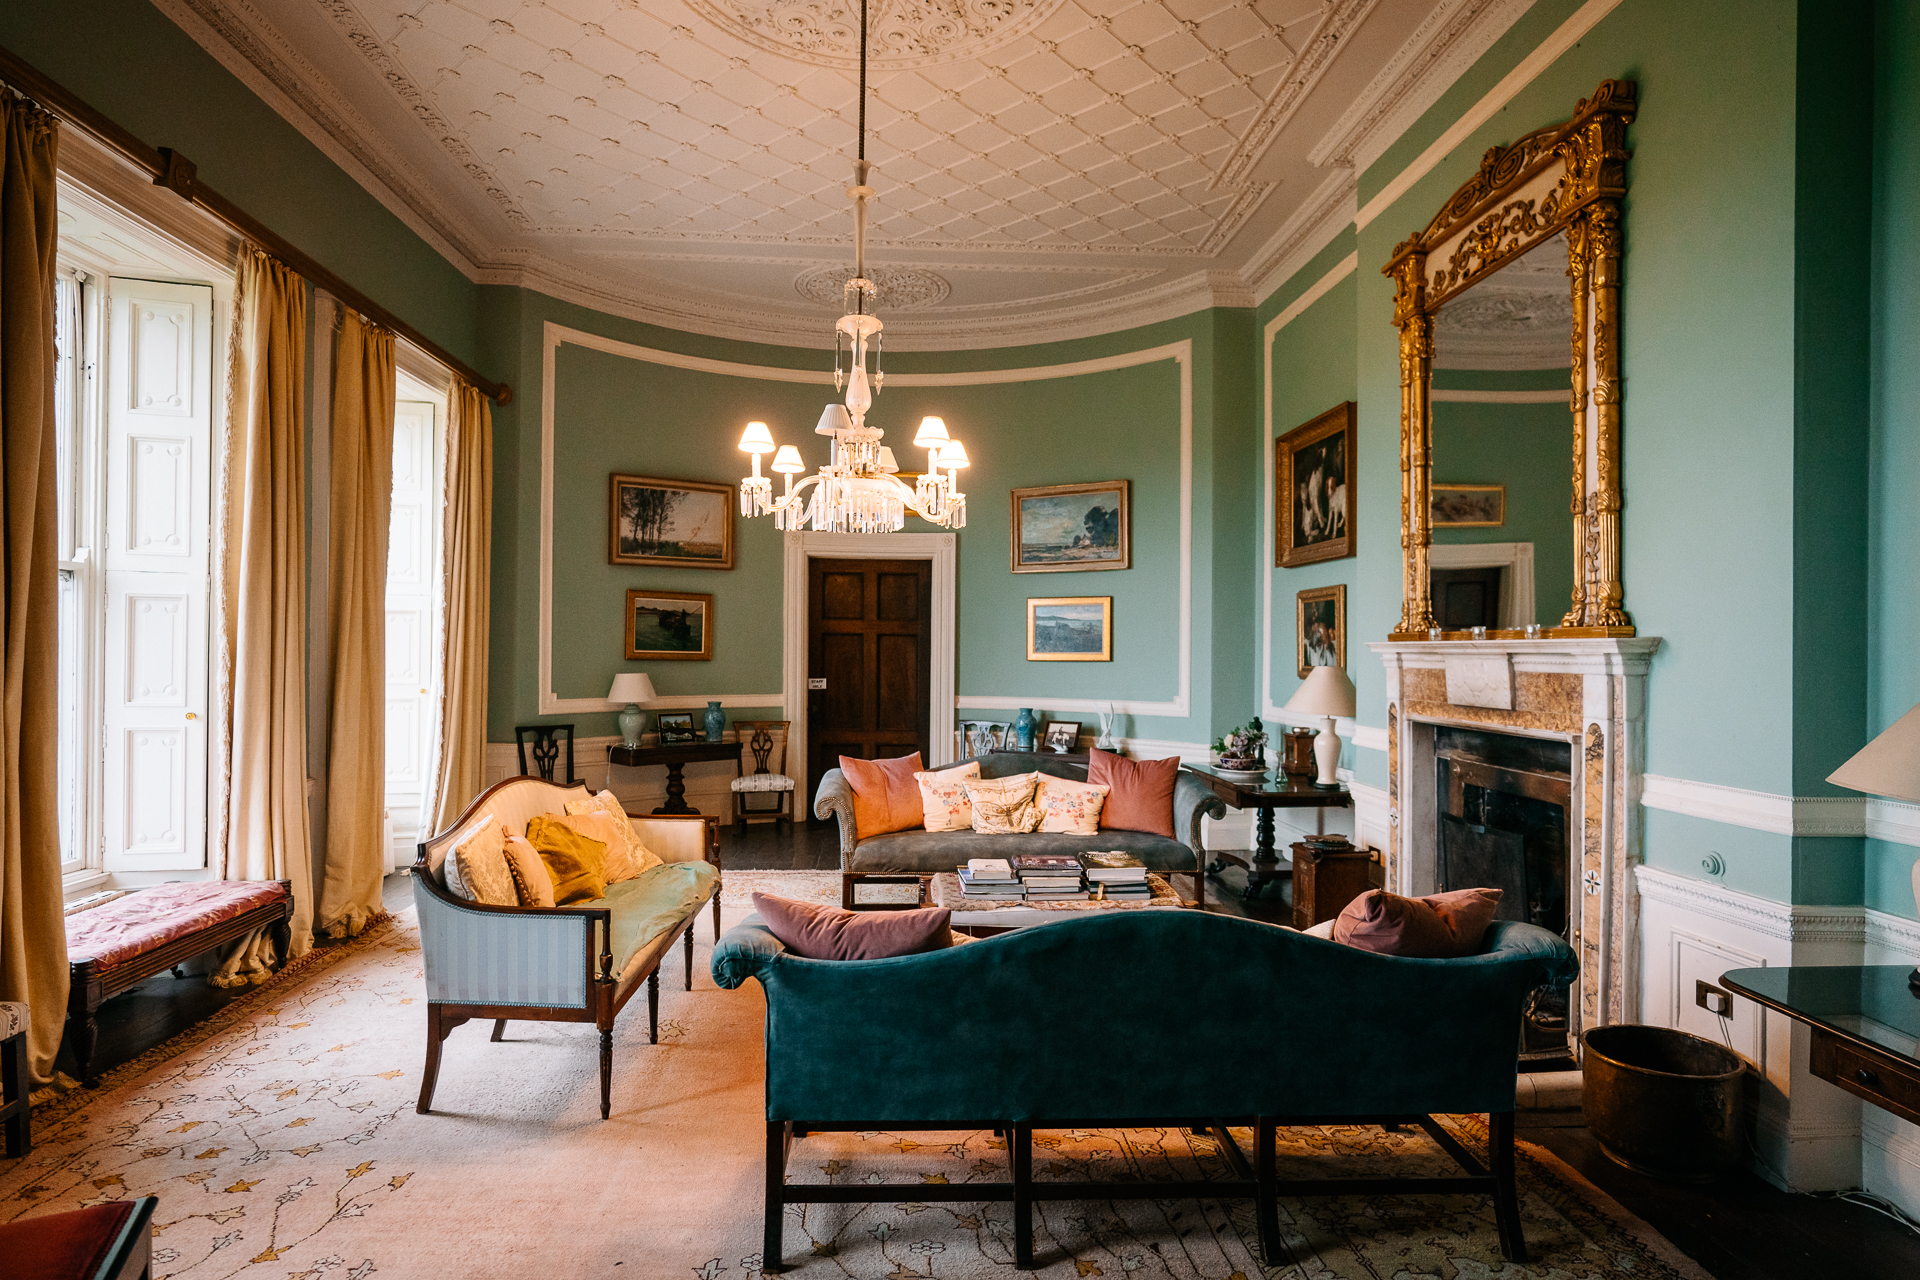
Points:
x=120 y=945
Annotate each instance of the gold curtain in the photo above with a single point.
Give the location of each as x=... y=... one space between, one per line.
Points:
x=461 y=769
x=33 y=938
x=266 y=831
x=358 y=510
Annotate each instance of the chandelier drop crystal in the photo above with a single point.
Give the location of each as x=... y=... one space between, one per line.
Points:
x=857 y=491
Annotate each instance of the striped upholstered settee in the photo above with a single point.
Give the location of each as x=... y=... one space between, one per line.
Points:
x=578 y=963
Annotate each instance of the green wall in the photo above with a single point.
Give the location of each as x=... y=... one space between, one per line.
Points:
x=1524 y=447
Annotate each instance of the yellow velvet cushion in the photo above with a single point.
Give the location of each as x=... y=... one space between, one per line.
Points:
x=577 y=863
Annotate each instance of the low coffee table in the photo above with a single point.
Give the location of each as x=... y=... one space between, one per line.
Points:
x=980 y=916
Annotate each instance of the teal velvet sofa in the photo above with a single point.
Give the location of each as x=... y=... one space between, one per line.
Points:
x=1136 y=1019
x=577 y=963
x=917 y=854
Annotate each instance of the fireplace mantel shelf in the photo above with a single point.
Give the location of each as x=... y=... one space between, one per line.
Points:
x=1630 y=654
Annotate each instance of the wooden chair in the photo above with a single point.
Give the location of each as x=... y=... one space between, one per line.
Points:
x=546 y=751
x=767 y=740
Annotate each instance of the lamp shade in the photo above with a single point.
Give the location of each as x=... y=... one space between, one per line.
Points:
x=887 y=464
x=932 y=434
x=952 y=454
x=1325 y=692
x=1889 y=765
x=833 y=418
x=787 y=461
x=756 y=438
x=631 y=687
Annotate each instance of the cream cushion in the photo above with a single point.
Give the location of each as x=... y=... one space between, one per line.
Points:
x=531 y=878
x=1322 y=930
x=1068 y=806
x=943 y=797
x=763 y=782
x=477 y=871
x=1005 y=806
x=627 y=854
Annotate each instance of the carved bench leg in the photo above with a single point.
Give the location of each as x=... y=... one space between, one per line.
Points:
x=606 y=1072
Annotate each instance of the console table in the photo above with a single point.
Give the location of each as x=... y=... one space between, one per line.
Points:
x=1266 y=794
x=1865 y=1021
x=675 y=756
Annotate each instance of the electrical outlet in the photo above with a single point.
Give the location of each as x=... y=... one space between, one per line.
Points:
x=1715 y=1000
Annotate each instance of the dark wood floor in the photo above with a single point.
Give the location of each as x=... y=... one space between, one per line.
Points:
x=1738 y=1229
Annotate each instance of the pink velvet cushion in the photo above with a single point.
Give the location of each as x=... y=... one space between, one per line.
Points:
x=819 y=932
x=1441 y=926
x=1140 y=792
x=148 y=918
x=59 y=1246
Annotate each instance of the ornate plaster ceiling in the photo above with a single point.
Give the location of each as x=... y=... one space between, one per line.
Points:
x=1520 y=317
x=1044 y=167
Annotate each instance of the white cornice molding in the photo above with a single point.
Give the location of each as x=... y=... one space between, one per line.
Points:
x=1800 y=816
x=1342 y=19
x=1324 y=214
x=1448 y=41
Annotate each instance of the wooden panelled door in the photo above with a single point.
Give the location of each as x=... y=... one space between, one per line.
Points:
x=869 y=652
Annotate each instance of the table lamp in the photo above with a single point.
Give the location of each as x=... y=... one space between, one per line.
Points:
x=1325 y=692
x=632 y=688
x=1889 y=766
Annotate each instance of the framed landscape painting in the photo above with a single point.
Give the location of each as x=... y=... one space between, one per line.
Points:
x=1320 y=615
x=1468 y=506
x=668 y=626
x=1062 y=528
x=1070 y=629
x=1313 y=493
x=682 y=524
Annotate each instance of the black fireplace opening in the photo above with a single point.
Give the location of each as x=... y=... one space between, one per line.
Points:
x=1504 y=801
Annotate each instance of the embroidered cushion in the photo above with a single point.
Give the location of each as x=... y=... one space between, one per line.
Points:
x=1069 y=806
x=577 y=863
x=477 y=870
x=1005 y=806
x=531 y=879
x=820 y=932
x=943 y=797
x=1440 y=926
x=627 y=854
x=1141 y=792
x=884 y=796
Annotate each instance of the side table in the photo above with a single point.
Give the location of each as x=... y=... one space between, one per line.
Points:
x=1326 y=879
x=1265 y=793
x=675 y=756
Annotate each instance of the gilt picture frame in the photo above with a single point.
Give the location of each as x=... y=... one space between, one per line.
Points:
x=669 y=626
x=1072 y=528
x=678 y=524
x=1320 y=628
x=1468 y=506
x=1070 y=629
x=1314 y=489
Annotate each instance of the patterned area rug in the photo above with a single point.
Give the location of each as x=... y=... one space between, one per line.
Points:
x=281 y=1139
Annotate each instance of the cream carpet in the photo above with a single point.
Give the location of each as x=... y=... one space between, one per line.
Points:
x=281 y=1139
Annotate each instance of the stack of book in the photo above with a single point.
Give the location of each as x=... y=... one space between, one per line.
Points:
x=1117 y=876
x=990 y=879
x=1050 y=877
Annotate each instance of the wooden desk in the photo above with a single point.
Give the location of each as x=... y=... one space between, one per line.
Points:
x=675 y=756
x=1865 y=1021
x=1273 y=791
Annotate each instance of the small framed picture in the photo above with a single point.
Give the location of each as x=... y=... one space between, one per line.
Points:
x=1070 y=629
x=675 y=726
x=1059 y=528
x=682 y=524
x=669 y=625
x=1468 y=506
x=1313 y=490
x=1321 y=617
x=1061 y=737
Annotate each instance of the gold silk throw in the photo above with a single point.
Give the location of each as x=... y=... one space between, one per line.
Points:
x=360 y=501
x=265 y=566
x=460 y=772
x=33 y=939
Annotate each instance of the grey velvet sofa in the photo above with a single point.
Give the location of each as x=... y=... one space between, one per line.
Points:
x=903 y=857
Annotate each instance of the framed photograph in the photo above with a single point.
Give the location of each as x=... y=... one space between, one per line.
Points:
x=669 y=626
x=1061 y=737
x=1070 y=629
x=1061 y=528
x=1321 y=628
x=1468 y=506
x=1313 y=491
x=675 y=726
x=682 y=524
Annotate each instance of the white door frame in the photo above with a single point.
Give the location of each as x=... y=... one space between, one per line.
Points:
x=1516 y=585
x=799 y=548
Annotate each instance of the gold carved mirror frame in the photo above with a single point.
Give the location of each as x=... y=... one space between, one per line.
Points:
x=1569 y=177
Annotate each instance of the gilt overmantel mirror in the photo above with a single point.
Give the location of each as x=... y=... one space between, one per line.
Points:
x=1514 y=284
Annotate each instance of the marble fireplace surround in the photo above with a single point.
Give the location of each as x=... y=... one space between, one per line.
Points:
x=1590 y=693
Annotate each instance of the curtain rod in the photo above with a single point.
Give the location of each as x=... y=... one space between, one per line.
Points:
x=175 y=172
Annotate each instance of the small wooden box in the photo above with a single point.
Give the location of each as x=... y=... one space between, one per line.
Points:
x=1326 y=879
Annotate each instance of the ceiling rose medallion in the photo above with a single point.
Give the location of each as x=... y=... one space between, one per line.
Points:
x=901 y=33
x=897 y=288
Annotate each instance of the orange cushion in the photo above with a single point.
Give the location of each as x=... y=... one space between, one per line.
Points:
x=1140 y=792
x=886 y=796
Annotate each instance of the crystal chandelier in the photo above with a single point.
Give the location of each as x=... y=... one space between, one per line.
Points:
x=857 y=491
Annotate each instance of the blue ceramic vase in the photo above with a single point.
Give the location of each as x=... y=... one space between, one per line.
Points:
x=1024 y=726
x=716 y=722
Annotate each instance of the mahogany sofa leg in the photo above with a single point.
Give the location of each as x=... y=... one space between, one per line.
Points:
x=606 y=1072
x=716 y=916
x=1506 y=1198
x=689 y=957
x=1266 y=1189
x=431 y=1074
x=1020 y=1145
x=653 y=1007
x=846 y=891
x=772 y=1240
x=499 y=1029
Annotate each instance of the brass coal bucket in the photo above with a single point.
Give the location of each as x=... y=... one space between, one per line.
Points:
x=1663 y=1102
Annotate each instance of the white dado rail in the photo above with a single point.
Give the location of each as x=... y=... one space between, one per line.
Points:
x=1588 y=693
